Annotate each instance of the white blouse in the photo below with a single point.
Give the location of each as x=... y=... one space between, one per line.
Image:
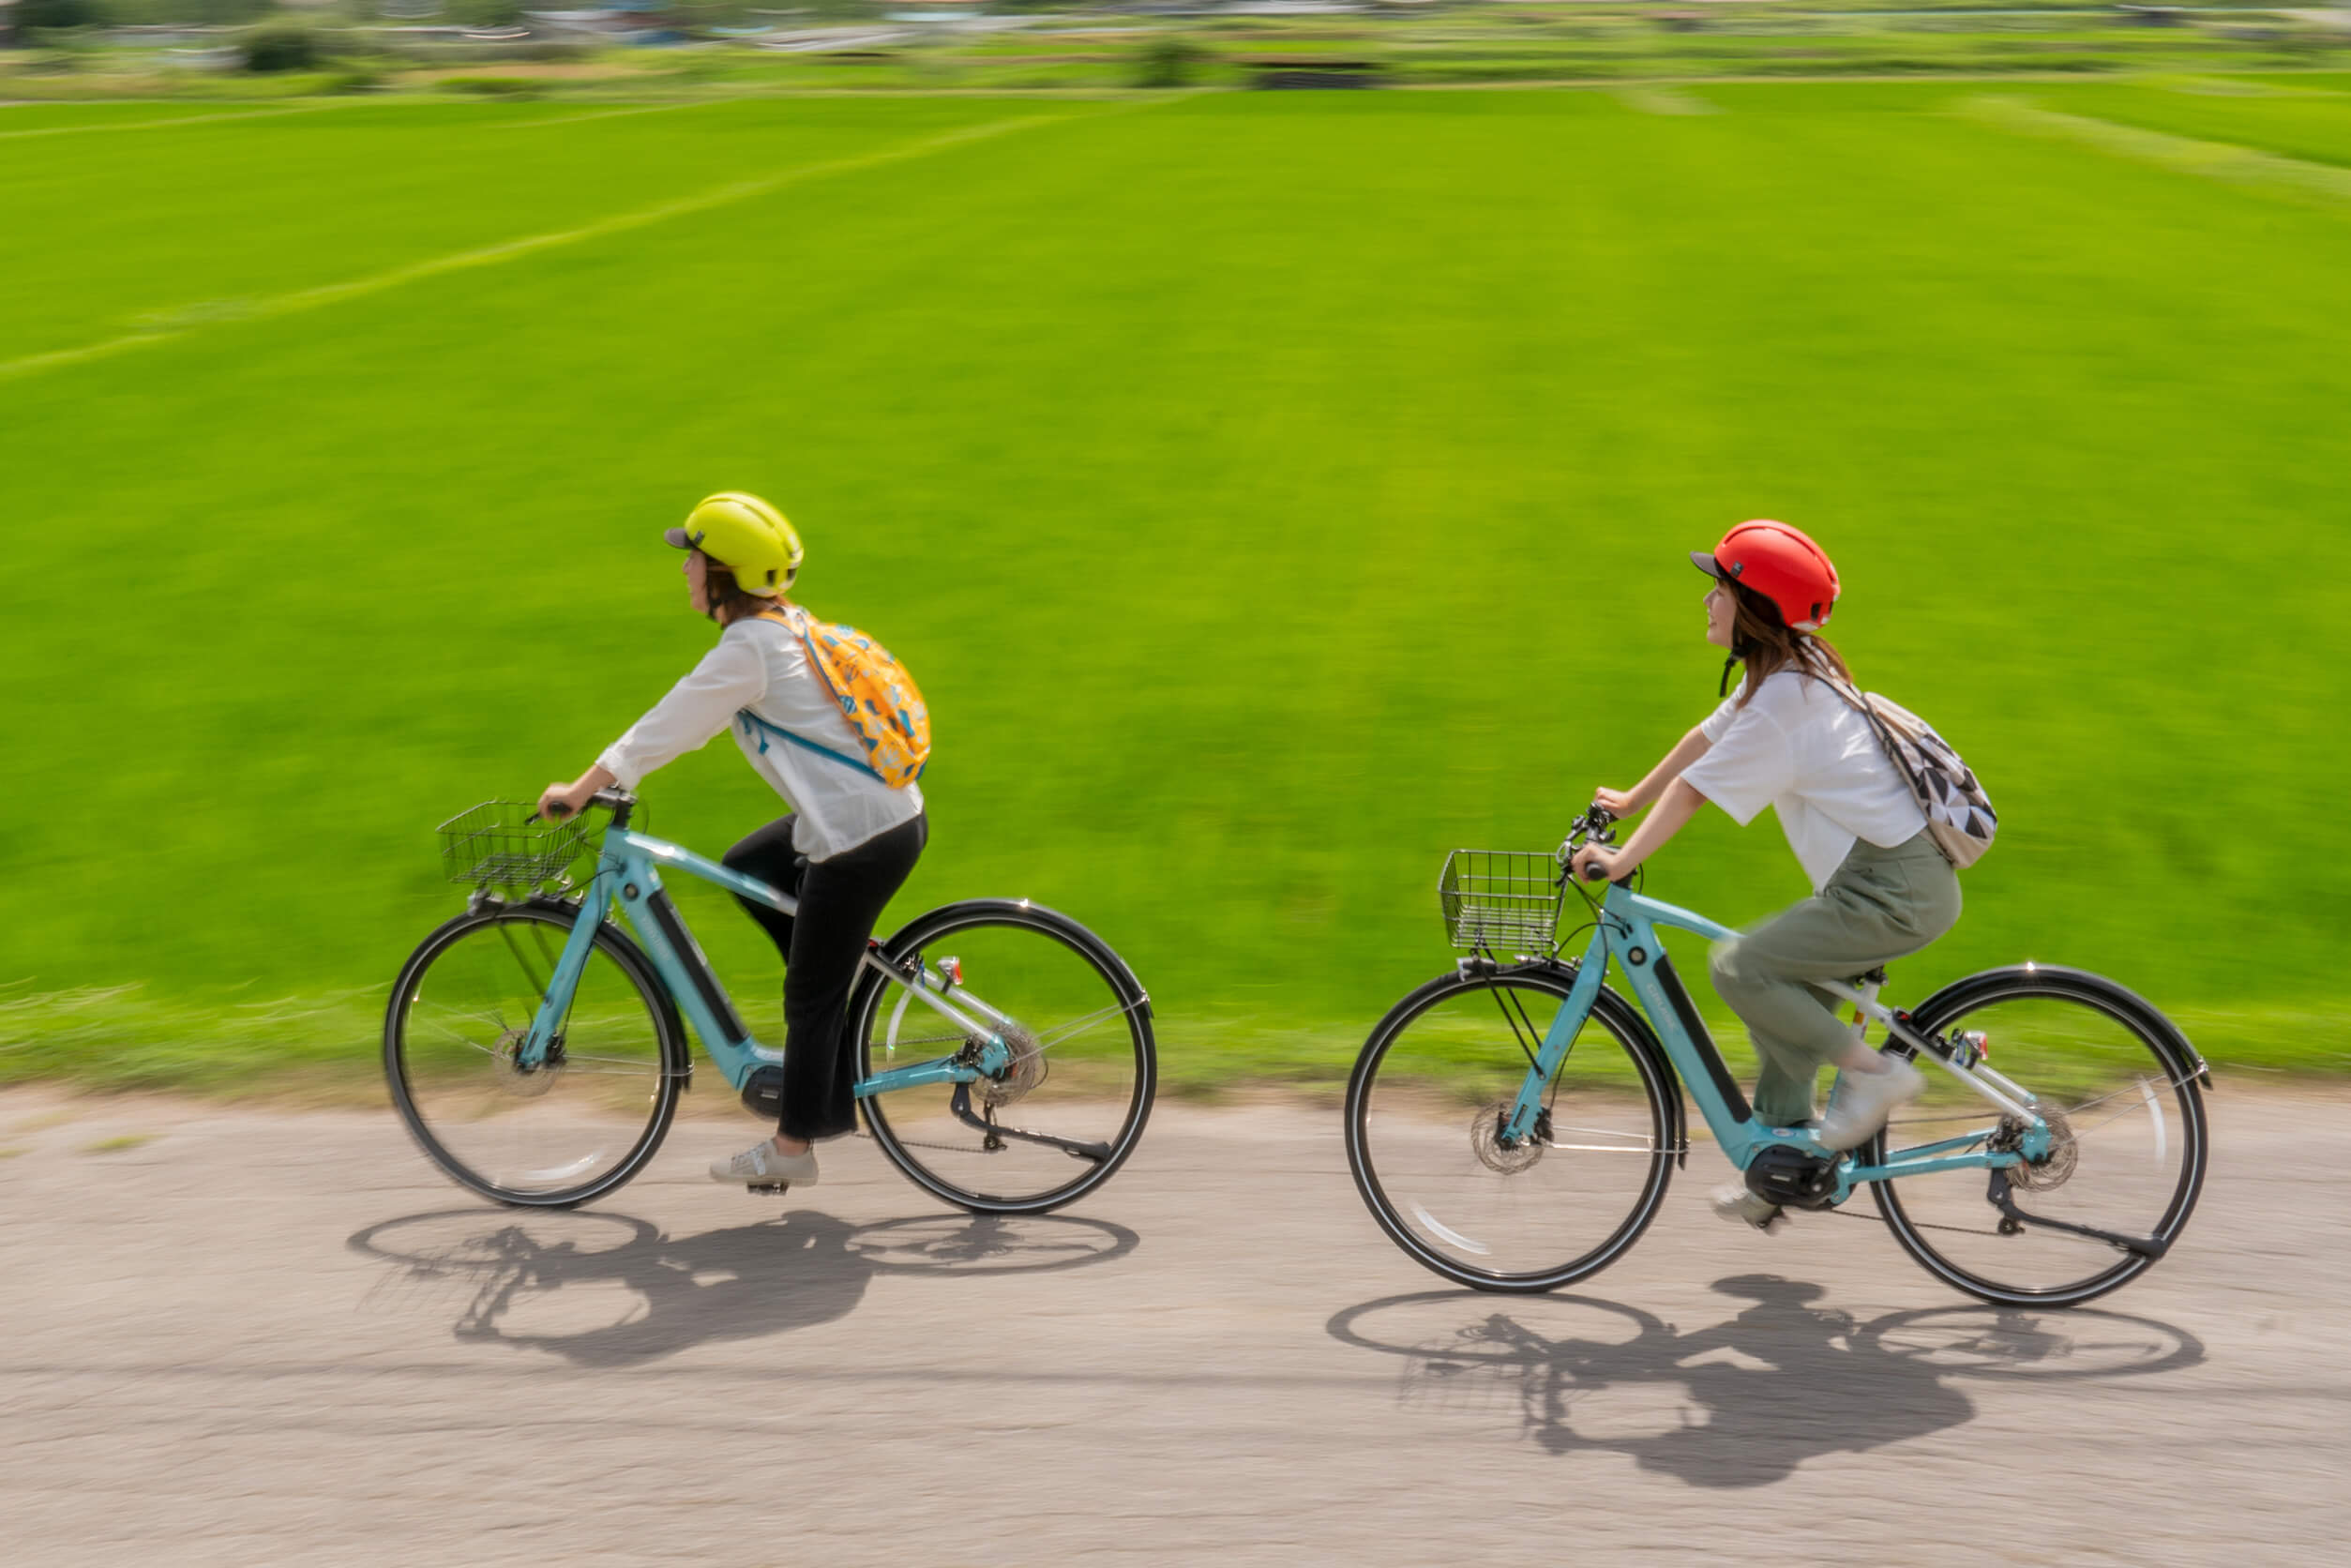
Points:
x=758 y=665
x=1802 y=749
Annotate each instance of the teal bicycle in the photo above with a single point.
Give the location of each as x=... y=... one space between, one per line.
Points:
x=1513 y=1125
x=536 y=1051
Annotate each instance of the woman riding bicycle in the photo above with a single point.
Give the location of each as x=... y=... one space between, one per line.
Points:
x=845 y=847
x=1790 y=739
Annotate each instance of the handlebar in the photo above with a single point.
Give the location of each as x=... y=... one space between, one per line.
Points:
x=619 y=802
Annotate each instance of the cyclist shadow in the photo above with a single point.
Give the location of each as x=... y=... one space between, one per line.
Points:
x=1744 y=1402
x=602 y=1288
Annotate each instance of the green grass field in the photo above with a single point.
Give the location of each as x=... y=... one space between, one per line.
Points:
x=1271 y=491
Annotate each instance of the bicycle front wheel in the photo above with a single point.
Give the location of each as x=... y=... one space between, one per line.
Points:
x=2117 y=1084
x=1428 y=1099
x=576 y=1125
x=1072 y=1107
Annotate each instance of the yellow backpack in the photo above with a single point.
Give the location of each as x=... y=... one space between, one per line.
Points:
x=876 y=695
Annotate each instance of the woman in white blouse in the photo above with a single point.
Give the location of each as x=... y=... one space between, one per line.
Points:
x=1789 y=739
x=845 y=847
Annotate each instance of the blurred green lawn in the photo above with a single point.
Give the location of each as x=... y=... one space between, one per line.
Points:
x=1271 y=492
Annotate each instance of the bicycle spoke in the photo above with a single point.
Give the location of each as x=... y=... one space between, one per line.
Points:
x=2141 y=1088
x=1426 y=1113
x=495 y=1019
x=550 y=1133
x=1056 y=1035
x=2133 y=1170
x=1077 y=1081
x=1601 y=1132
x=456 y=1039
x=1643 y=1149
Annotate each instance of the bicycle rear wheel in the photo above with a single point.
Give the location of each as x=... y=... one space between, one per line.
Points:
x=2119 y=1085
x=1073 y=1106
x=556 y=1135
x=1428 y=1098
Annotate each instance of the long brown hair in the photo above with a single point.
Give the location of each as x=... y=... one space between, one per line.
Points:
x=1763 y=642
x=728 y=602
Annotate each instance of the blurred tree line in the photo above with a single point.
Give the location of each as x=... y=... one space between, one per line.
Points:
x=60 y=14
x=692 y=16
x=270 y=36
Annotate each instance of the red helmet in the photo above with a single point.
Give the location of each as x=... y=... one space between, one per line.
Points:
x=1780 y=564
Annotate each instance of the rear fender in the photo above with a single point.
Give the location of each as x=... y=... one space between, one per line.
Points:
x=2050 y=979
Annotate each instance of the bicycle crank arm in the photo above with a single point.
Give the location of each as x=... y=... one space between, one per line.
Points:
x=2003 y=1199
x=961 y=1105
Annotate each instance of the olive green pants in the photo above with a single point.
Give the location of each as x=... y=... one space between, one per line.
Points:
x=1879 y=906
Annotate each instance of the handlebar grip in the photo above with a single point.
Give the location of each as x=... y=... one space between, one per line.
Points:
x=619 y=802
x=1595 y=873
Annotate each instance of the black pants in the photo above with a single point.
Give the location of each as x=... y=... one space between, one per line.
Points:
x=841 y=898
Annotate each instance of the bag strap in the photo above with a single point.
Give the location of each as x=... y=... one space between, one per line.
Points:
x=1881 y=727
x=754 y=723
x=797 y=619
x=803 y=626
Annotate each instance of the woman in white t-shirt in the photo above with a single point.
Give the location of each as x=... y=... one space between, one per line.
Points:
x=1788 y=739
x=848 y=845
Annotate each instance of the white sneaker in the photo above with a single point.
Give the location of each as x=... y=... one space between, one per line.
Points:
x=1862 y=1101
x=761 y=1166
x=1736 y=1201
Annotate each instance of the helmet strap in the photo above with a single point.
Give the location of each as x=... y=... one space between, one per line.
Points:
x=1741 y=644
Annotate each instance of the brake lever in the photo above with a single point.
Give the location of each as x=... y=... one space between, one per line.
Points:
x=1596 y=825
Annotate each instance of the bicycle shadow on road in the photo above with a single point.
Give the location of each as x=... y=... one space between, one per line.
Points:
x=1744 y=1402
x=602 y=1288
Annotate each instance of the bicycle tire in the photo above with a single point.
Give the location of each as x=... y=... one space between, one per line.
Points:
x=665 y=1064
x=2163 y=1202
x=1437 y=1245
x=1086 y=980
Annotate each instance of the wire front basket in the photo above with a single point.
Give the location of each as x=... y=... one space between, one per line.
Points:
x=491 y=845
x=1502 y=900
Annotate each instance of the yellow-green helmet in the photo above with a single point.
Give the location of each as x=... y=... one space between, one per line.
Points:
x=748 y=536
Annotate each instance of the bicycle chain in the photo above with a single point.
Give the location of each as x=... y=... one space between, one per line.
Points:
x=917 y=1143
x=1919 y=1224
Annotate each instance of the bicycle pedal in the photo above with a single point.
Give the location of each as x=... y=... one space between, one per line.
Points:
x=773 y=1188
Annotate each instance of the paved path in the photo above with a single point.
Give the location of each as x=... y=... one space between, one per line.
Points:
x=278 y=1337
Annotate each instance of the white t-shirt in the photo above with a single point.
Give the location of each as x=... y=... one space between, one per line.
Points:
x=761 y=665
x=1802 y=750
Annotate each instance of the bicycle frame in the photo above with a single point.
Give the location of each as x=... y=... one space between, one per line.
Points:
x=628 y=877
x=1627 y=933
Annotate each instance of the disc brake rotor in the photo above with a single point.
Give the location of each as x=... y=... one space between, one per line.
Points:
x=1485 y=1141
x=2064 y=1154
x=523 y=1083
x=1026 y=1072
